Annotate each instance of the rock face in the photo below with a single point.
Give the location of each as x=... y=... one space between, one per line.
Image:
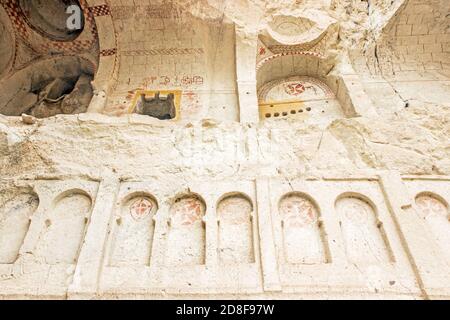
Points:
x=306 y=155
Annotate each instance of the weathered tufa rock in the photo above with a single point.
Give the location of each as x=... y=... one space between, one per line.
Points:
x=27 y=119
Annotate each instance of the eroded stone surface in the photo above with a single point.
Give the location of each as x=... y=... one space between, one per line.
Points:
x=308 y=155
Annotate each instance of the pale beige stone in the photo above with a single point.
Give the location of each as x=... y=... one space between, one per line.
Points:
x=309 y=157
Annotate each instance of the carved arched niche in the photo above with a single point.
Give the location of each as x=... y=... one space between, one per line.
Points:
x=435 y=212
x=301 y=32
x=235 y=221
x=134 y=232
x=293 y=69
x=15 y=218
x=49 y=18
x=65 y=227
x=186 y=244
x=304 y=240
x=364 y=237
x=300 y=97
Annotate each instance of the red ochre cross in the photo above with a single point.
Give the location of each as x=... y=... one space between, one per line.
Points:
x=141 y=208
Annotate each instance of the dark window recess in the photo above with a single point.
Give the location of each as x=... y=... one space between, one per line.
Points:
x=60 y=96
x=162 y=108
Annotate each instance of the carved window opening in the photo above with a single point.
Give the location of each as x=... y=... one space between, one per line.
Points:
x=363 y=233
x=187 y=232
x=162 y=105
x=15 y=215
x=235 y=223
x=134 y=232
x=304 y=240
x=435 y=213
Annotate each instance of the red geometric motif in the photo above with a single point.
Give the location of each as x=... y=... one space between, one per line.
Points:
x=141 y=208
x=284 y=54
x=101 y=10
x=187 y=212
x=294 y=89
x=108 y=52
x=299 y=213
x=15 y=14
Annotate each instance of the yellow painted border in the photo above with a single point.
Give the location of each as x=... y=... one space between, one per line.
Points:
x=177 y=93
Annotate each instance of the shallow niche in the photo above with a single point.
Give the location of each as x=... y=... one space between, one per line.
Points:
x=187 y=239
x=15 y=218
x=435 y=212
x=65 y=228
x=299 y=96
x=62 y=96
x=304 y=240
x=134 y=232
x=50 y=18
x=235 y=221
x=364 y=237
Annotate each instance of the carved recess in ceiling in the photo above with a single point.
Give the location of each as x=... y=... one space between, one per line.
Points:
x=309 y=35
x=32 y=43
x=45 y=68
x=49 y=18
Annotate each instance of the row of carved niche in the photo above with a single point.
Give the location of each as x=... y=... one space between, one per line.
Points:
x=60 y=235
x=304 y=239
x=303 y=235
x=364 y=238
x=136 y=226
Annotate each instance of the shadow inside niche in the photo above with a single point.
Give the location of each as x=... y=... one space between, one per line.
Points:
x=48 y=88
x=162 y=108
x=62 y=96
